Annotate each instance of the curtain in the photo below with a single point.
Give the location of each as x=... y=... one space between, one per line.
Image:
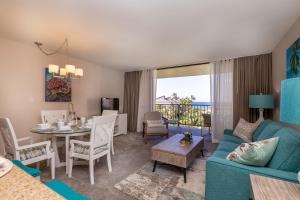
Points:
x=131 y=98
x=147 y=96
x=221 y=77
x=252 y=75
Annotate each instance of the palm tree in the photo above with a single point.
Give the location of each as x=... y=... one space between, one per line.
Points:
x=295 y=57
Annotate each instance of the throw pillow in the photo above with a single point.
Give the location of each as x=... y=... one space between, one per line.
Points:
x=244 y=130
x=255 y=153
x=155 y=123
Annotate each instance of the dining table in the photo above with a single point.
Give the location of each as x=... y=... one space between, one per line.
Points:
x=55 y=133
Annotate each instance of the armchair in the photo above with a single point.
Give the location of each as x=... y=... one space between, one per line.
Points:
x=157 y=128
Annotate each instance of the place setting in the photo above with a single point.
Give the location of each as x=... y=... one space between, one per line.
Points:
x=5 y=166
x=62 y=126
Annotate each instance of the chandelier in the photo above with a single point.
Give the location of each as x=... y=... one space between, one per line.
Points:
x=69 y=70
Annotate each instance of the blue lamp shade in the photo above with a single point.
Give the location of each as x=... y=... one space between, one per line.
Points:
x=261 y=101
x=290 y=101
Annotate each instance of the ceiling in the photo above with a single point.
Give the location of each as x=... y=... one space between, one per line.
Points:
x=135 y=34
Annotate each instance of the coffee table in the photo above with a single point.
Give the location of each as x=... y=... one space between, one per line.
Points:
x=171 y=152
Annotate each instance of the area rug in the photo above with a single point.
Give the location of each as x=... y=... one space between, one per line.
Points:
x=165 y=183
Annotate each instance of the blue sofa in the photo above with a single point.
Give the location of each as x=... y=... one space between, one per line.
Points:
x=228 y=180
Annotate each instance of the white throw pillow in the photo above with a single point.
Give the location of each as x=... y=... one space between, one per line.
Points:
x=245 y=130
x=256 y=153
x=155 y=123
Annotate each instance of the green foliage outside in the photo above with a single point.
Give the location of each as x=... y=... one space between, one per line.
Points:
x=184 y=111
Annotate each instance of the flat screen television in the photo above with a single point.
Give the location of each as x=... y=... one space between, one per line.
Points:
x=109 y=103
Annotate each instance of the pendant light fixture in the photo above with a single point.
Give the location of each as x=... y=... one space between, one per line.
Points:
x=69 y=70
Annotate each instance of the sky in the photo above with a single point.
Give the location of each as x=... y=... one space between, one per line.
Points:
x=199 y=86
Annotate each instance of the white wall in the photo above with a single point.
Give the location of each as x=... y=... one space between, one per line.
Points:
x=22 y=85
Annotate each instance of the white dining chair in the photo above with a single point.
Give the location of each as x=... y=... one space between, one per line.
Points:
x=111 y=112
x=52 y=116
x=27 y=154
x=98 y=146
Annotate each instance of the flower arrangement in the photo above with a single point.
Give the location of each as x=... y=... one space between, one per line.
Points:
x=187 y=139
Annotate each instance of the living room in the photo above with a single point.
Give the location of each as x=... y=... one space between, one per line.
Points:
x=80 y=119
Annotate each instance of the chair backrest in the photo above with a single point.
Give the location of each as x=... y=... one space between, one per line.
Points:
x=206 y=119
x=52 y=116
x=102 y=130
x=9 y=137
x=152 y=116
x=109 y=112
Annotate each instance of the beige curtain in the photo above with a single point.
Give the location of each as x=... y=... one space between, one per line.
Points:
x=131 y=98
x=221 y=77
x=251 y=75
x=147 y=96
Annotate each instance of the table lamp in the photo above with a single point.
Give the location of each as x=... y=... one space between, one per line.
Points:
x=262 y=101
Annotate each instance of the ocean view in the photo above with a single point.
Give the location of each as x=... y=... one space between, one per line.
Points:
x=199 y=103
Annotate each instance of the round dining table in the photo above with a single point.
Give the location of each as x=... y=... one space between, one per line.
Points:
x=55 y=133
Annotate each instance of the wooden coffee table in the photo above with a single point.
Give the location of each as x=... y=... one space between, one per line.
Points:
x=171 y=152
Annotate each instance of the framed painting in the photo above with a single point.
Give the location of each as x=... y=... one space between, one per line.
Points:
x=57 y=89
x=293 y=60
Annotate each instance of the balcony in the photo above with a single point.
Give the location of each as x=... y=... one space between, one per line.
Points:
x=187 y=114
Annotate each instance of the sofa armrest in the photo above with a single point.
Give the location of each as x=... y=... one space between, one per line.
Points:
x=264 y=171
x=230 y=180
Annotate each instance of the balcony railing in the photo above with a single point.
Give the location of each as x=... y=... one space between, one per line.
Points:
x=186 y=114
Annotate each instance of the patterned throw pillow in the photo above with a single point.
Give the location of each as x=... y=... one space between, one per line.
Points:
x=245 y=130
x=255 y=153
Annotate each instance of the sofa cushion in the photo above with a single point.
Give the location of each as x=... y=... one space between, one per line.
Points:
x=255 y=153
x=228 y=132
x=287 y=154
x=31 y=171
x=260 y=128
x=245 y=130
x=232 y=138
x=269 y=131
x=65 y=191
x=227 y=146
x=220 y=154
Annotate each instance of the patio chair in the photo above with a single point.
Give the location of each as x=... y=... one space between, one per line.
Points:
x=27 y=154
x=206 y=122
x=154 y=125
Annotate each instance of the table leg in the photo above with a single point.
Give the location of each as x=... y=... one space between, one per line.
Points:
x=55 y=148
x=154 y=166
x=67 y=152
x=184 y=174
x=202 y=153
